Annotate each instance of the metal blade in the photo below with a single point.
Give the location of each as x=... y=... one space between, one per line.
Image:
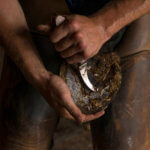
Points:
x=84 y=75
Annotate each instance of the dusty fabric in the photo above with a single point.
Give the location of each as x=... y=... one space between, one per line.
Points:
x=126 y=123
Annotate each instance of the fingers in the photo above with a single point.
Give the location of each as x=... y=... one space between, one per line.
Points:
x=72 y=108
x=64 y=44
x=67 y=27
x=91 y=117
x=74 y=111
x=44 y=28
x=75 y=58
x=70 y=111
x=65 y=114
x=59 y=32
x=62 y=111
x=79 y=116
x=70 y=52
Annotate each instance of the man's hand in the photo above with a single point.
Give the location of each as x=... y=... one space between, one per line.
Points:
x=58 y=96
x=78 y=38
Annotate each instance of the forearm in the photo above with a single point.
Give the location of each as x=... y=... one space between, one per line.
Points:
x=16 y=40
x=120 y=13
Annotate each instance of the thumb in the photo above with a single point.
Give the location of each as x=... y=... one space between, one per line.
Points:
x=44 y=28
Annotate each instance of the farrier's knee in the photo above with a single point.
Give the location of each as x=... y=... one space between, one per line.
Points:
x=27 y=118
x=131 y=108
x=28 y=121
x=126 y=124
x=28 y=105
x=136 y=37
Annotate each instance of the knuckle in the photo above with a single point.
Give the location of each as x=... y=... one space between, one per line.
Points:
x=73 y=24
x=78 y=37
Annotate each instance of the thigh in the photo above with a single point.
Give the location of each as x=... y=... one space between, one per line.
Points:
x=126 y=124
x=136 y=37
x=27 y=121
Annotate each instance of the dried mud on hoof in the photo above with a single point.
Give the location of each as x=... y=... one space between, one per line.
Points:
x=105 y=74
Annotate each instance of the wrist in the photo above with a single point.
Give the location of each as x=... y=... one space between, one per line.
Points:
x=112 y=18
x=102 y=28
x=109 y=19
x=42 y=81
x=34 y=72
x=117 y=14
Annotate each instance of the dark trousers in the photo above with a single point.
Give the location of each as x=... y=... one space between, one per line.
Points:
x=126 y=124
x=28 y=122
